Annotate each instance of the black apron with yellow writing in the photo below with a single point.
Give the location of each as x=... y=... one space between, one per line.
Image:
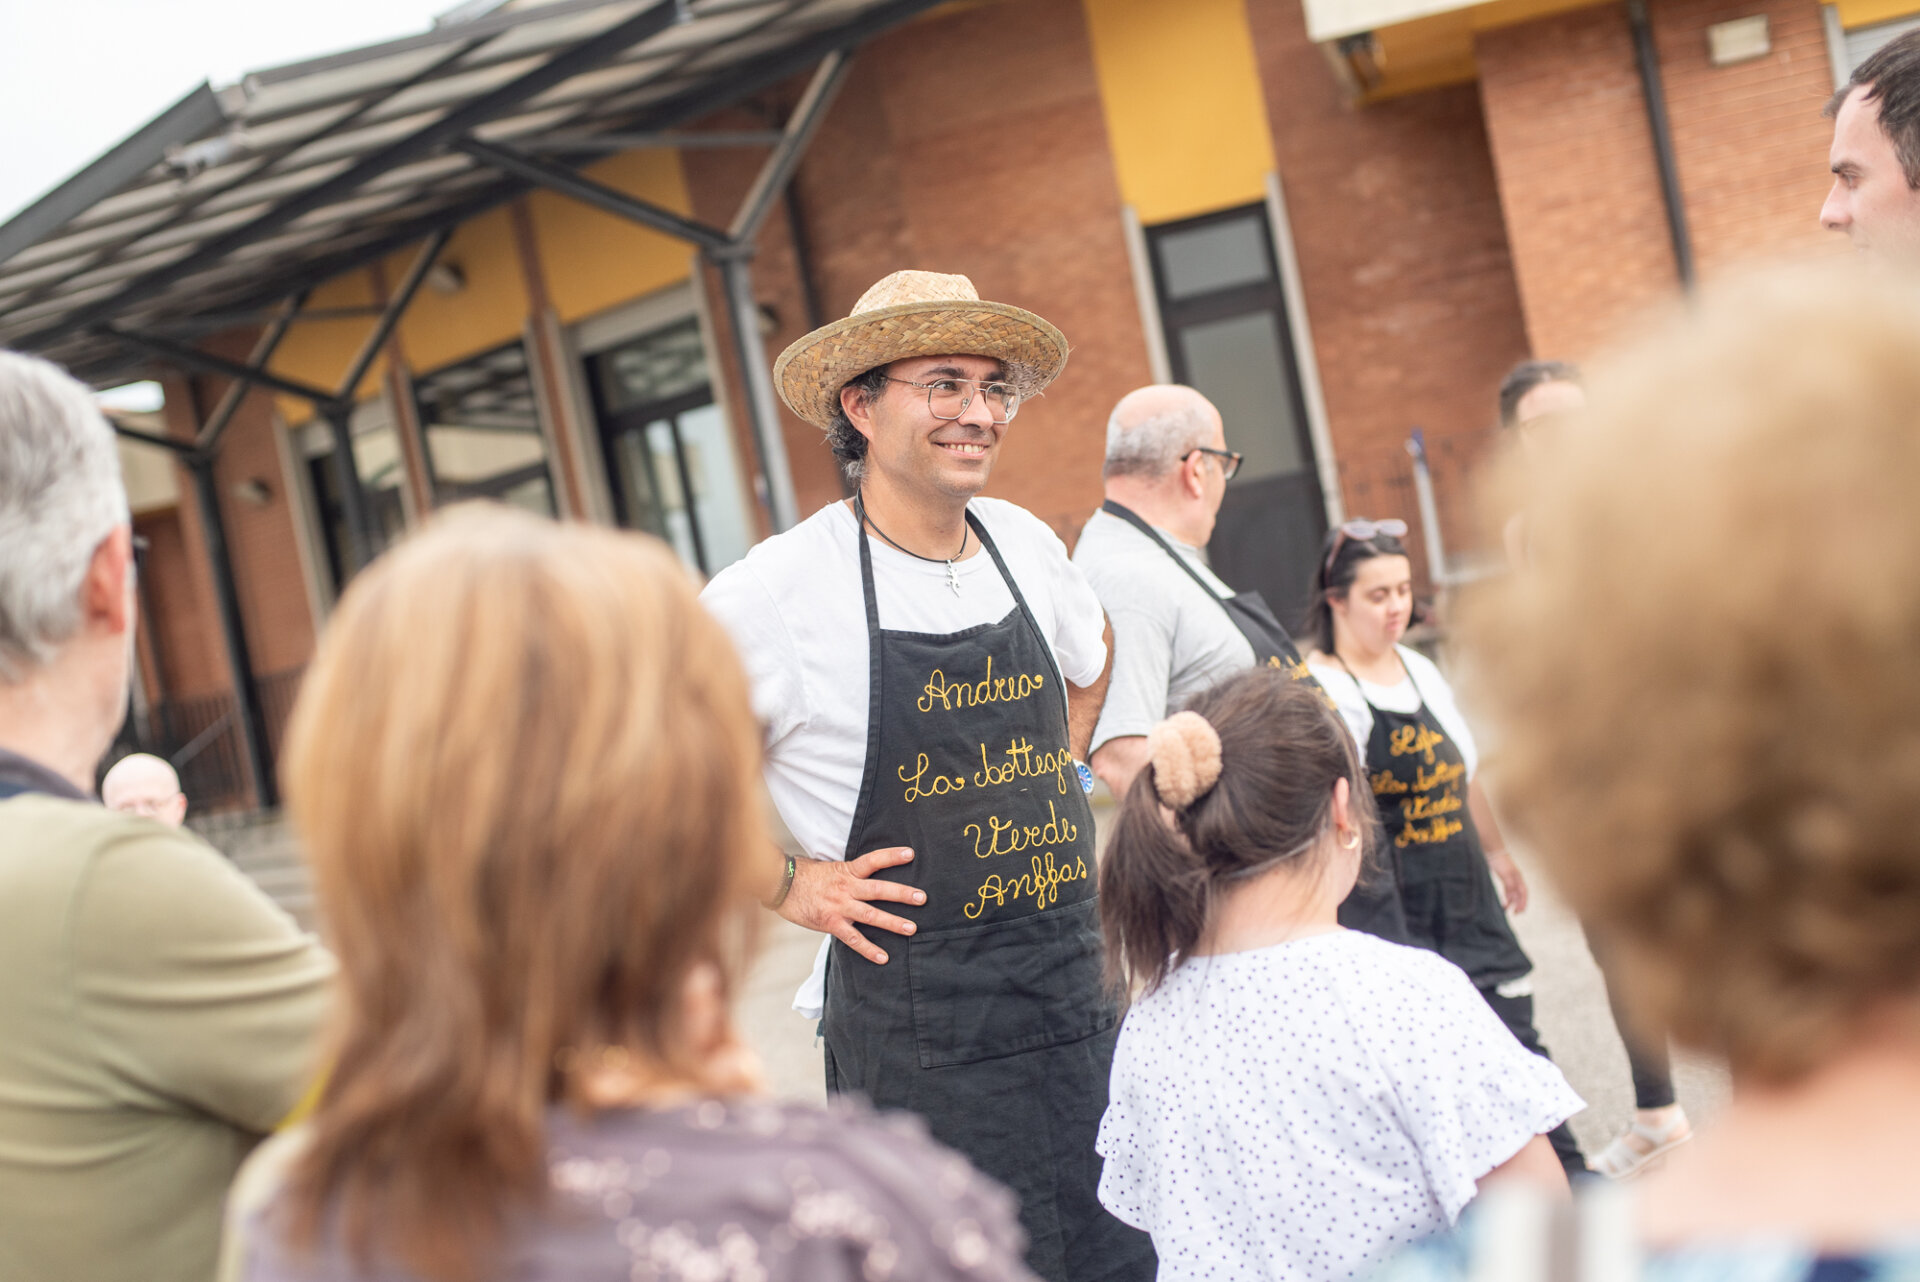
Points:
x=1374 y=906
x=1419 y=781
x=991 y=1021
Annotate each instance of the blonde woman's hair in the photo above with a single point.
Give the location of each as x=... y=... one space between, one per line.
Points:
x=1705 y=689
x=523 y=764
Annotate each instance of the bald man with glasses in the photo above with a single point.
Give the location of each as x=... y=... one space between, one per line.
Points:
x=1177 y=628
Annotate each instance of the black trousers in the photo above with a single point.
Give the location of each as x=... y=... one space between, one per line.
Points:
x=1651 y=1069
x=1517 y=1014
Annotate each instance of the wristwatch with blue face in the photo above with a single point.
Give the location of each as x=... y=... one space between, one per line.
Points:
x=1086 y=776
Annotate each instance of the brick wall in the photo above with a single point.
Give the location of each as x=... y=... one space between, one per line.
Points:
x=1749 y=139
x=1578 y=182
x=1409 y=286
x=260 y=543
x=970 y=142
x=1578 y=177
x=180 y=628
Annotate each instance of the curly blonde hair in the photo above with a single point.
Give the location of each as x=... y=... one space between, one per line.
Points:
x=1705 y=688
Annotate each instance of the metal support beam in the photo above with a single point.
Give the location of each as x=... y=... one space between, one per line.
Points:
x=396 y=308
x=774 y=175
x=236 y=393
x=246 y=696
x=585 y=56
x=763 y=405
x=684 y=139
x=183 y=448
x=585 y=190
x=208 y=363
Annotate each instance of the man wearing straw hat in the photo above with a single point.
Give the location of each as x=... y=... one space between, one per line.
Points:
x=929 y=665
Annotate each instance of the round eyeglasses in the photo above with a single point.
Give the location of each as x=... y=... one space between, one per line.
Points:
x=948 y=398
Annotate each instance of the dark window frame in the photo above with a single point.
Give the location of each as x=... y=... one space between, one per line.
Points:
x=611 y=424
x=443 y=491
x=1228 y=302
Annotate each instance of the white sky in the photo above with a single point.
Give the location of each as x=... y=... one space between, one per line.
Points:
x=77 y=76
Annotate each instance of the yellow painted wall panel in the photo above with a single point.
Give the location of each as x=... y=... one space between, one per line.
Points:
x=594 y=260
x=318 y=351
x=1185 y=114
x=1864 y=13
x=439 y=329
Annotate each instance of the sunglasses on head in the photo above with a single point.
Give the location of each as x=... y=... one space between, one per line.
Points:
x=1360 y=531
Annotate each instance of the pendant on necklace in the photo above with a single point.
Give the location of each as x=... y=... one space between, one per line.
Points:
x=953 y=578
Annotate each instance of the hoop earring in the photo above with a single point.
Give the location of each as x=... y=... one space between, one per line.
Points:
x=1355 y=843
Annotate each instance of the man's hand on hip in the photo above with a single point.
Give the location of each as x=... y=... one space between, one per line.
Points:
x=829 y=895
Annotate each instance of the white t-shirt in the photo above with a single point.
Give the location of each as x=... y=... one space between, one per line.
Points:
x=1170 y=639
x=1423 y=682
x=1298 y=1112
x=794 y=610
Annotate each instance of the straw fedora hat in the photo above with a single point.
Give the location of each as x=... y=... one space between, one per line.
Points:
x=915 y=314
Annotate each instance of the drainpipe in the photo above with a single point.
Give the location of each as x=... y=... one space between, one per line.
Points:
x=1656 y=97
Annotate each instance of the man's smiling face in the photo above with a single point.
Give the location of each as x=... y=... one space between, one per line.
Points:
x=1871 y=200
x=918 y=451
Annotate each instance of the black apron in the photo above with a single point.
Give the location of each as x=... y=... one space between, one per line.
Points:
x=1374 y=906
x=1419 y=782
x=992 y=1021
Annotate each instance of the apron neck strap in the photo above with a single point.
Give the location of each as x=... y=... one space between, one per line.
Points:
x=1139 y=523
x=1006 y=575
x=1357 y=685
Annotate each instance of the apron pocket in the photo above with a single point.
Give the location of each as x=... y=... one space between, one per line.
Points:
x=981 y=992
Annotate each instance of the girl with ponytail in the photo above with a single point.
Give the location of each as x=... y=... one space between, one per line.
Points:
x=1289 y=1099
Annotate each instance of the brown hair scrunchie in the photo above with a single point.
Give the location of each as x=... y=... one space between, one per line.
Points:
x=1185 y=753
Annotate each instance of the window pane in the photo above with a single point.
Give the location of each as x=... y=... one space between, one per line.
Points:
x=483 y=431
x=653 y=368
x=1200 y=260
x=634 y=483
x=1240 y=365
x=719 y=499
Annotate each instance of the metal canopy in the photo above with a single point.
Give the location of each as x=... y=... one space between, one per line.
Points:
x=234 y=200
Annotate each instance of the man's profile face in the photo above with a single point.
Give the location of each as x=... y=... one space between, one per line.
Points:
x=1213 y=472
x=1870 y=200
x=915 y=448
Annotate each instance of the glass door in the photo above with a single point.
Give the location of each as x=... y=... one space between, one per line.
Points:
x=670 y=455
x=1227 y=334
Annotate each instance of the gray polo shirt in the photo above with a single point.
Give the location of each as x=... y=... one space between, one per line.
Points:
x=1170 y=639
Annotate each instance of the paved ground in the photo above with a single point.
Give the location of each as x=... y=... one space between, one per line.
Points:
x=1569 y=997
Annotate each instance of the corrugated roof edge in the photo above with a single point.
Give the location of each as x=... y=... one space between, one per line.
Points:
x=492 y=24
x=194 y=116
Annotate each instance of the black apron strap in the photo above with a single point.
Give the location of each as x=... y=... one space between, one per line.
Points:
x=870 y=776
x=1019 y=599
x=1139 y=523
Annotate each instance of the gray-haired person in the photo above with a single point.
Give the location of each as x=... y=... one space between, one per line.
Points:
x=1178 y=629
x=160 y=1013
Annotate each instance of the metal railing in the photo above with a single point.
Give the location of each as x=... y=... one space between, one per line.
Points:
x=201 y=738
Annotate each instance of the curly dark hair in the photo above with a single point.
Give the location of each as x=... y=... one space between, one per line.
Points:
x=843 y=438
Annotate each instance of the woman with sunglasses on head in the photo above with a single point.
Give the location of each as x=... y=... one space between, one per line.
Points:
x=1420 y=759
